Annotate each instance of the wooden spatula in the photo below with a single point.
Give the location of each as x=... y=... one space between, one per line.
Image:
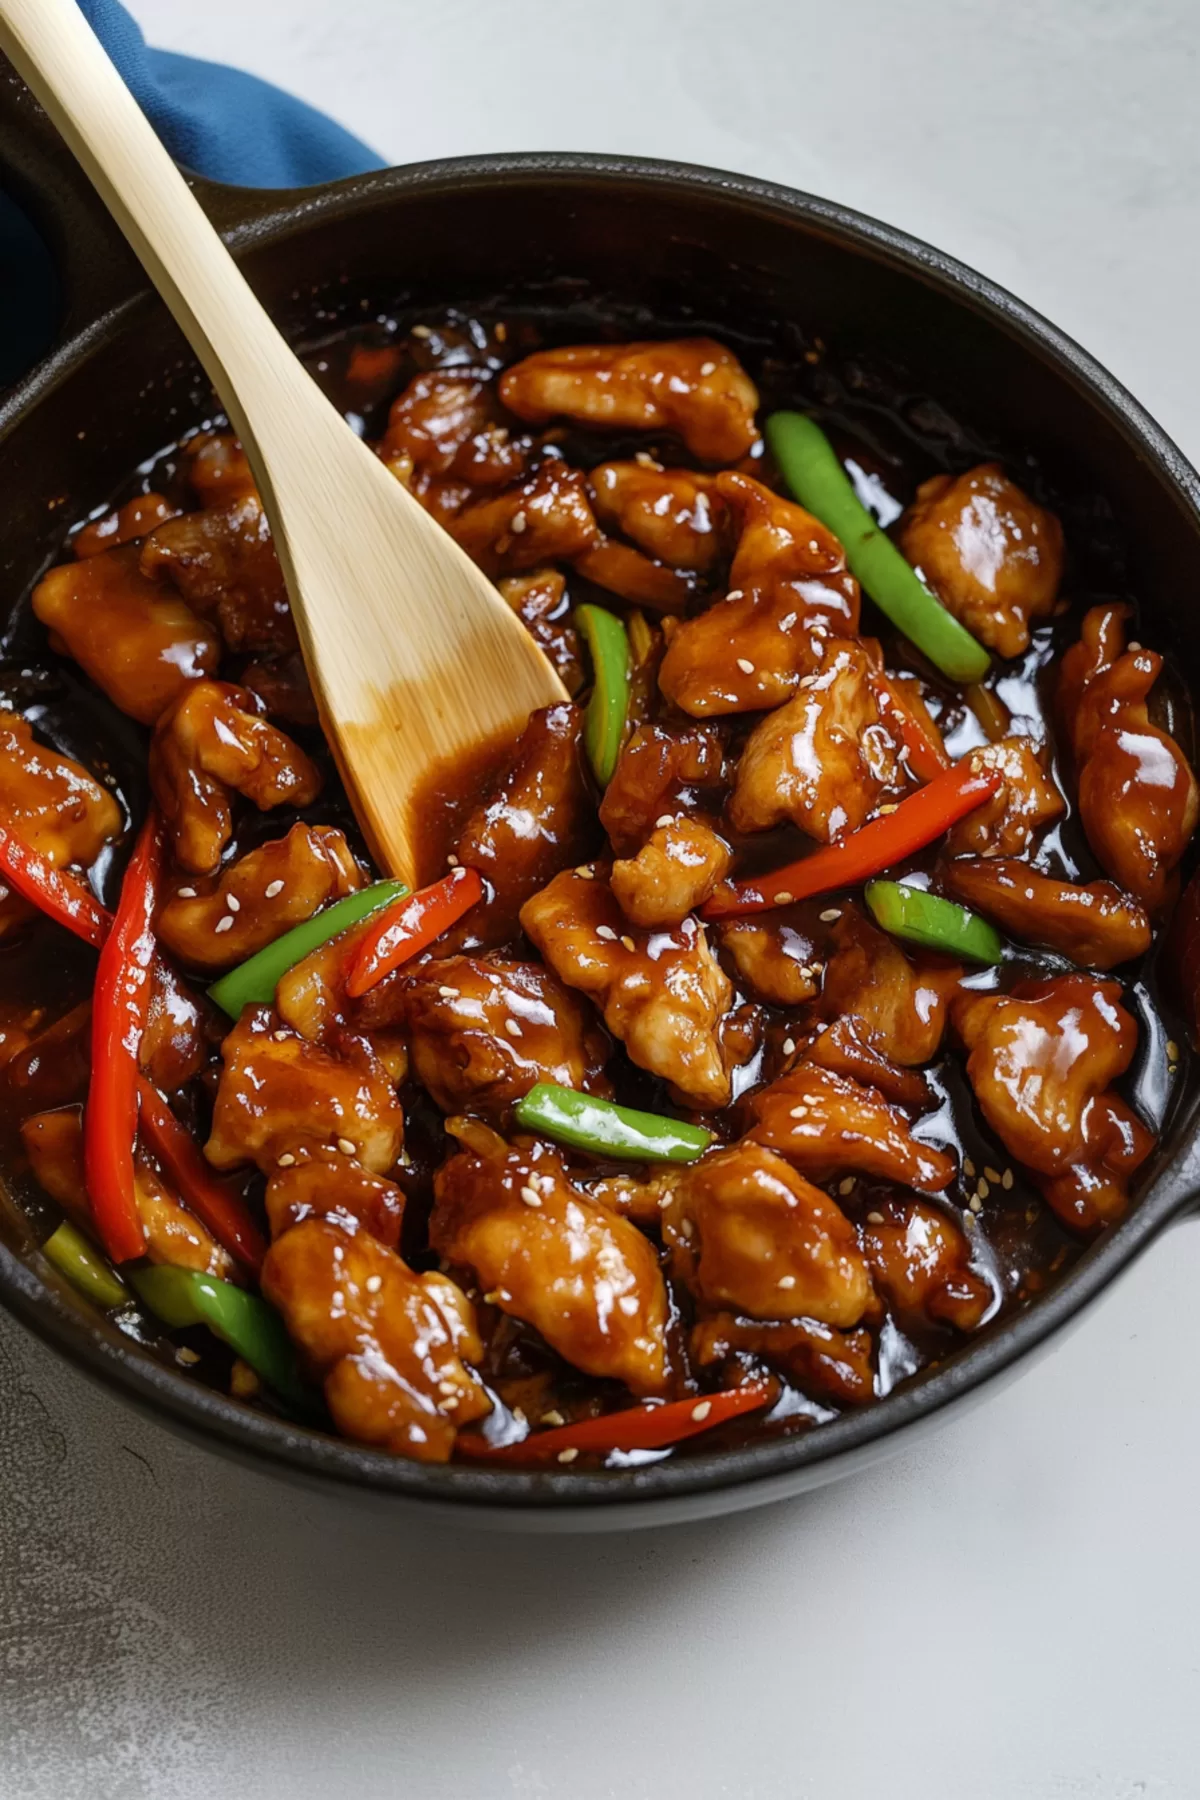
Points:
x=413 y=656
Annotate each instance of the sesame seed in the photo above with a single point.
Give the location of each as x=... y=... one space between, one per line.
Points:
x=628 y=1304
x=708 y=368
x=491 y=1298
x=975 y=1203
x=702 y=1409
x=798 y=1112
x=968 y=1167
x=889 y=806
x=373 y=1283
x=991 y=1174
x=233 y=903
x=735 y=594
x=447 y=1387
x=187 y=1355
x=500 y=332
x=512 y=1028
x=281 y=1036
x=607 y=933
x=530 y=1196
x=517 y=523
x=1172 y=1050
x=347 y=1146
x=285 y=1161
x=545 y=1182
x=405 y=1160
x=846 y=1185
x=788 y=1046
x=452 y=861
x=875 y=1218
x=663 y=820
x=813 y=545
x=272 y=888
x=224 y=924
x=1006 y=1180
x=421 y=331
x=830 y=914
x=553 y=1417
x=185 y=893
x=745 y=665
x=982 y=1191
x=787 y=1281
x=784 y=897
x=448 y=993
x=687 y=1228
x=627 y=943
x=646 y=460
x=585 y=872
x=565 y=1456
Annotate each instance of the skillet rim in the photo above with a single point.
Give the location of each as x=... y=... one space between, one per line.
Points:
x=751 y=1473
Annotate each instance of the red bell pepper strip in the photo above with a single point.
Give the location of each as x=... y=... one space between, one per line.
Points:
x=119 y=1007
x=220 y=1207
x=882 y=842
x=410 y=925
x=649 y=1427
x=60 y=896
x=926 y=754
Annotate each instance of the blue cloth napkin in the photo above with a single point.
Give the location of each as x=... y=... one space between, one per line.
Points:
x=216 y=121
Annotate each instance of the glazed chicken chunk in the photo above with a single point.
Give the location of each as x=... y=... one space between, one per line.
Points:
x=825 y=760
x=1038 y=1055
x=180 y=1032
x=897 y=1002
x=126 y=525
x=661 y=992
x=920 y=1261
x=278 y=1091
x=1009 y=820
x=543 y=1252
x=990 y=553
x=1094 y=1190
x=659 y=772
x=674 y=515
x=828 y=1364
x=1095 y=925
x=211 y=739
x=676 y=870
x=482 y=1032
x=1138 y=797
x=827 y=1125
x=541 y=518
x=447 y=421
x=51 y=803
x=138 y=640
x=693 y=387
x=394 y=1349
x=539 y=600
x=774 y=959
x=272 y=889
x=750 y=1234
x=320 y=1182
x=224 y=564
x=217 y=468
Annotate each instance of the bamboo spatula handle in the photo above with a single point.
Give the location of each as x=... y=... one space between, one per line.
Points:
x=60 y=58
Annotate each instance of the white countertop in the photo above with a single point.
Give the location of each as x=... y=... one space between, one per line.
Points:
x=1010 y=1611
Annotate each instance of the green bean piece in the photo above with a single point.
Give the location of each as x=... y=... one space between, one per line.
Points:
x=811 y=468
x=921 y=918
x=252 y=1329
x=604 y=720
x=607 y=1130
x=253 y=982
x=84 y=1267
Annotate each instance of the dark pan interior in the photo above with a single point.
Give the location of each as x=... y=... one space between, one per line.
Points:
x=670 y=245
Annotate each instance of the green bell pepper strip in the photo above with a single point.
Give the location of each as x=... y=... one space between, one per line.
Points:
x=607 y=1130
x=921 y=918
x=84 y=1267
x=811 y=468
x=253 y=982
x=604 y=720
x=252 y=1329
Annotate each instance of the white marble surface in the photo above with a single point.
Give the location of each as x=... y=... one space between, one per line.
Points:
x=1009 y=1612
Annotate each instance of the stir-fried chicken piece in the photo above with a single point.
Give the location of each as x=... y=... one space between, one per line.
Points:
x=52 y=1069
x=674 y=515
x=1138 y=797
x=1094 y=1191
x=180 y=1031
x=544 y=518
x=281 y=683
x=1026 y=800
x=659 y=772
x=839 y=1048
x=825 y=760
x=311 y=997
x=19 y=1025
x=748 y=1233
x=219 y=921
x=54 y=1145
x=124 y=526
x=691 y=386
x=393 y=1348
x=49 y=801
x=783 y=553
x=322 y=1183
x=482 y=1032
x=538 y=819
x=828 y=1125
x=224 y=564
x=544 y=1252
x=992 y=555
x=1097 y=926
x=661 y=992
x=136 y=638
x=828 y=1364
x=636 y=577
x=539 y=600
x=278 y=1091
x=899 y=1003
x=210 y=740
x=447 y=422
x=920 y=1260
x=674 y=871
x=775 y=960
x=216 y=468
x=640 y=1196
x=1038 y=1055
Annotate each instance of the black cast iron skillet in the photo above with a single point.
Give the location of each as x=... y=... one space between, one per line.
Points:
x=120 y=383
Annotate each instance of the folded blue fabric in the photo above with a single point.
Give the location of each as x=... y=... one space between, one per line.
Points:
x=216 y=121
